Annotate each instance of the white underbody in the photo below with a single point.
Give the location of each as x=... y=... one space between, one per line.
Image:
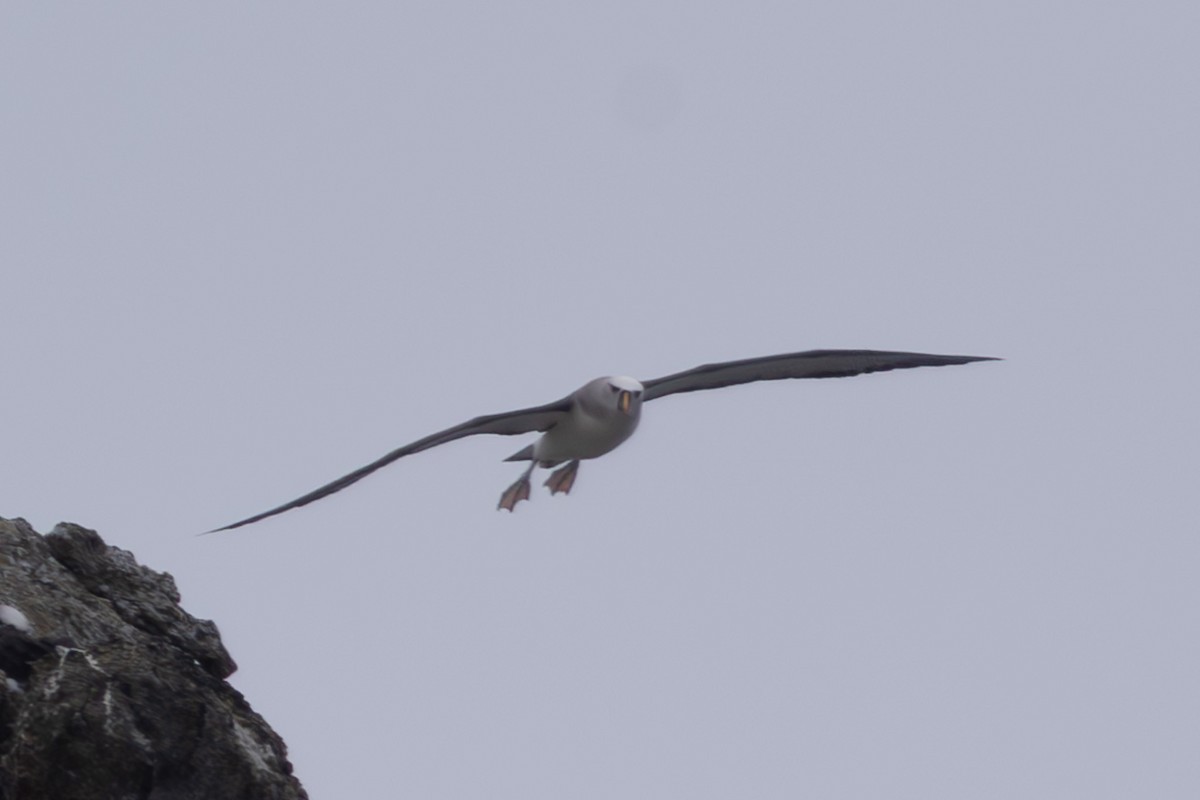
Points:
x=583 y=435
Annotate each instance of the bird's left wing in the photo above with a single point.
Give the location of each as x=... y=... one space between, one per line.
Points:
x=809 y=364
x=511 y=423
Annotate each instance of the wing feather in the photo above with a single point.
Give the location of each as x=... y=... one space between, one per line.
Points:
x=511 y=423
x=808 y=364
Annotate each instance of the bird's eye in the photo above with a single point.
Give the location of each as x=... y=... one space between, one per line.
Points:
x=613 y=389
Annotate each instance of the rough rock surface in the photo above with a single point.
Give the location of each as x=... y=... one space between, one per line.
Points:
x=108 y=689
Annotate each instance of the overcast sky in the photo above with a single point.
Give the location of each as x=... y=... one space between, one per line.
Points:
x=247 y=248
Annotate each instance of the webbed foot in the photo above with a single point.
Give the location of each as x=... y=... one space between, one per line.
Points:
x=563 y=478
x=514 y=494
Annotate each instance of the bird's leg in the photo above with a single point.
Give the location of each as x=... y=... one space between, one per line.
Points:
x=518 y=491
x=563 y=478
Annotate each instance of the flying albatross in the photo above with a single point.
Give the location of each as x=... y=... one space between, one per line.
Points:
x=598 y=416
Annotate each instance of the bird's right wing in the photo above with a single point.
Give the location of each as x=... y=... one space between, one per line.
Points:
x=511 y=423
x=808 y=364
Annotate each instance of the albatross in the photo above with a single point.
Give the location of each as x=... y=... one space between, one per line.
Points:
x=600 y=415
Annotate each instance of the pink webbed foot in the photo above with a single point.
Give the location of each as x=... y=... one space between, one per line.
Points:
x=563 y=478
x=514 y=494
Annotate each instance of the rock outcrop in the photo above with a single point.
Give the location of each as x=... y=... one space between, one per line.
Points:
x=108 y=689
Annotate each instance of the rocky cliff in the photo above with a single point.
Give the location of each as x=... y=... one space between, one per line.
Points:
x=108 y=689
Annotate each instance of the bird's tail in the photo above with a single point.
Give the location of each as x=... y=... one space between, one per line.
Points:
x=524 y=454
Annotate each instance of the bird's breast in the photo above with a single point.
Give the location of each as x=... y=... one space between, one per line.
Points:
x=582 y=435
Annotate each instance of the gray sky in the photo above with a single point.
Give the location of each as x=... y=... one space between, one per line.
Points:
x=249 y=247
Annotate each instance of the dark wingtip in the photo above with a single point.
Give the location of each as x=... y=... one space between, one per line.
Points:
x=246 y=521
x=970 y=359
x=218 y=530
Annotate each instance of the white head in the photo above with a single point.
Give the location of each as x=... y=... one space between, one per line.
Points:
x=612 y=395
x=627 y=392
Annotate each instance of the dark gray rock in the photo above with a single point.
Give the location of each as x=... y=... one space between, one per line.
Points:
x=108 y=689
